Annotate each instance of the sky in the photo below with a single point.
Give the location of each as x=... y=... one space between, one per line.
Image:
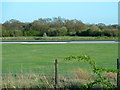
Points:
x=60 y=0
x=87 y=12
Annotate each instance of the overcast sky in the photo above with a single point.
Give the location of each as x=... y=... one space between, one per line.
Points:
x=87 y=12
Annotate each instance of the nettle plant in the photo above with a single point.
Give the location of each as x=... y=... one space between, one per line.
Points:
x=101 y=80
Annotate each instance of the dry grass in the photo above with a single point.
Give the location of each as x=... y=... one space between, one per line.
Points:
x=0 y=82
x=26 y=81
x=31 y=80
x=111 y=75
x=82 y=74
x=78 y=78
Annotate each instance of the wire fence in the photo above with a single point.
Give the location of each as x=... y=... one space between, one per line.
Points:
x=59 y=74
x=48 y=68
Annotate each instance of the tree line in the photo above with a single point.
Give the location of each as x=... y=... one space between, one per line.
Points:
x=56 y=26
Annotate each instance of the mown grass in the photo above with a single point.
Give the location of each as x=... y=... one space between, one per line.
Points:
x=40 y=58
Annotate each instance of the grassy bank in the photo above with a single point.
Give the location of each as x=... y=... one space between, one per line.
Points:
x=62 y=38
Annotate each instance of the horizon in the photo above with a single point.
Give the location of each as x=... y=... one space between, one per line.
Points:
x=87 y=12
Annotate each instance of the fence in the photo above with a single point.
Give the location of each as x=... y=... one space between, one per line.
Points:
x=58 y=74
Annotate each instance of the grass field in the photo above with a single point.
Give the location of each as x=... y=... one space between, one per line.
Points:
x=40 y=58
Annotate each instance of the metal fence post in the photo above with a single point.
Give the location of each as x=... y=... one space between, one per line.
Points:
x=56 y=73
x=118 y=74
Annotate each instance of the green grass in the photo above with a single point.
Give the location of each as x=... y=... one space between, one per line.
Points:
x=40 y=58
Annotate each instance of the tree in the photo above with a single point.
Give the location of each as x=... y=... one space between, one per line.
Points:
x=5 y=33
x=18 y=33
x=62 y=31
x=52 y=32
x=75 y=26
x=40 y=25
x=57 y=26
x=58 y=22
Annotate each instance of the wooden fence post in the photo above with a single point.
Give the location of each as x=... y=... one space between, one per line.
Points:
x=56 y=73
x=118 y=74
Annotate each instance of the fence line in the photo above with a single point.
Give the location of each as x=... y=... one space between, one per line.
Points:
x=51 y=63
x=56 y=73
x=56 y=68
